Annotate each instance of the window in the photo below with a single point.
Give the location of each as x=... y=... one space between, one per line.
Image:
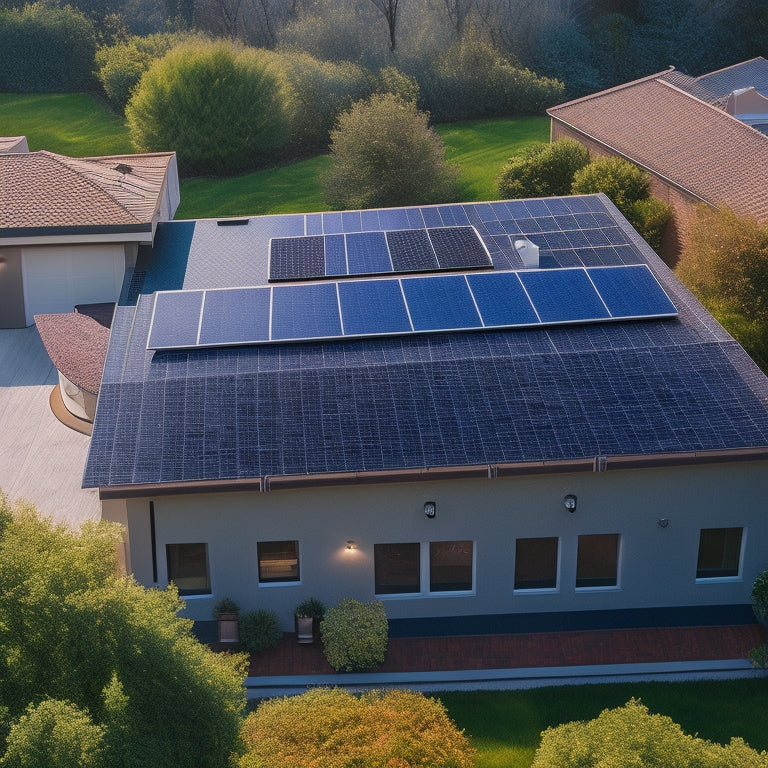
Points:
x=597 y=560
x=188 y=568
x=447 y=566
x=536 y=563
x=719 y=553
x=278 y=561
x=450 y=566
x=397 y=568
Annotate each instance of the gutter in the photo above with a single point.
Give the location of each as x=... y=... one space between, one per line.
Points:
x=427 y=474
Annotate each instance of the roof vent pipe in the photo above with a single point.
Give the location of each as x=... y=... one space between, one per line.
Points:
x=528 y=252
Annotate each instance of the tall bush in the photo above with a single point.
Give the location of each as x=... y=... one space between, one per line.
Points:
x=223 y=108
x=333 y=728
x=354 y=635
x=543 y=170
x=45 y=48
x=384 y=153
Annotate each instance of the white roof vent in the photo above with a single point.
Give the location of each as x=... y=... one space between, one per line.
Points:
x=528 y=252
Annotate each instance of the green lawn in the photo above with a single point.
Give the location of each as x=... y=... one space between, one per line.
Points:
x=505 y=726
x=73 y=124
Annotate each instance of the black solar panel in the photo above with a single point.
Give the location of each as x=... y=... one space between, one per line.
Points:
x=291 y=257
x=458 y=248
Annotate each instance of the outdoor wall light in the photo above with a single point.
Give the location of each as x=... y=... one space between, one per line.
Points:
x=663 y=522
x=569 y=502
x=430 y=509
x=351 y=544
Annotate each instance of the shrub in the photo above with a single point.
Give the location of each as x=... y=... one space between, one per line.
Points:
x=323 y=89
x=392 y=80
x=758 y=657
x=223 y=108
x=226 y=605
x=45 y=49
x=543 y=170
x=630 y=736
x=623 y=182
x=760 y=596
x=354 y=635
x=384 y=153
x=55 y=734
x=649 y=217
x=311 y=607
x=334 y=729
x=260 y=630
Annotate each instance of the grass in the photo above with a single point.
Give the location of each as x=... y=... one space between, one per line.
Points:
x=505 y=726
x=73 y=124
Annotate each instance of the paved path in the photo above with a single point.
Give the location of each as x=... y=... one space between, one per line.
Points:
x=41 y=460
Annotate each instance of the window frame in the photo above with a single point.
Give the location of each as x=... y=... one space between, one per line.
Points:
x=558 y=555
x=737 y=577
x=278 y=581
x=599 y=587
x=170 y=561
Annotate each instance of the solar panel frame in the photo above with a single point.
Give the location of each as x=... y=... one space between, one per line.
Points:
x=175 y=322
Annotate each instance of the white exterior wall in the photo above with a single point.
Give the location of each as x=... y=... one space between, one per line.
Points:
x=657 y=566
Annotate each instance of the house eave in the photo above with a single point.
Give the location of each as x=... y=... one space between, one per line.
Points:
x=124 y=233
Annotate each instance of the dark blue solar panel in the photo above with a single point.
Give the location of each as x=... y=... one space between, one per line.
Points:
x=501 y=299
x=235 y=316
x=440 y=303
x=458 y=247
x=562 y=296
x=394 y=218
x=631 y=291
x=335 y=255
x=367 y=253
x=305 y=311
x=371 y=307
x=411 y=250
x=296 y=258
x=175 y=320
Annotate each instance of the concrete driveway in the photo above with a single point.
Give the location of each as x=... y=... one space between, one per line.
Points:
x=41 y=460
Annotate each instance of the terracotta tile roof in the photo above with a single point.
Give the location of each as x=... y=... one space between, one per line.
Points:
x=77 y=346
x=43 y=189
x=676 y=136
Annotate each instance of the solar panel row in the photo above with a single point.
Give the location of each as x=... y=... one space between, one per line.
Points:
x=375 y=253
x=386 y=306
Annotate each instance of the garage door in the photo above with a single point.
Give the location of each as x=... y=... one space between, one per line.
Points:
x=58 y=277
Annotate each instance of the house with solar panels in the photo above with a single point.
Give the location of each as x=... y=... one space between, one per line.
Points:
x=488 y=416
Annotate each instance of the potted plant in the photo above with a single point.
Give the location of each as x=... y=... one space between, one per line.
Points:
x=307 y=616
x=760 y=597
x=227 y=613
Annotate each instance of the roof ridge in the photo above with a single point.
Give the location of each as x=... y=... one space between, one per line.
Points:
x=613 y=89
x=58 y=158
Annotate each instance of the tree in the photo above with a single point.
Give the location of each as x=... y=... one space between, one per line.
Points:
x=220 y=106
x=383 y=153
x=623 y=182
x=388 y=9
x=543 y=170
x=333 y=728
x=630 y=736
x=73 y=629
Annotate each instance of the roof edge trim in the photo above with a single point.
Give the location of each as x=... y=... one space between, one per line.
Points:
x=65 y=230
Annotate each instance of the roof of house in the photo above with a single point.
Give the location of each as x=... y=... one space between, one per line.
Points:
x=680 y=138
x=715 y=87
x=308 y=410
x=45 y=191
x=77 y=345
x=13 y=144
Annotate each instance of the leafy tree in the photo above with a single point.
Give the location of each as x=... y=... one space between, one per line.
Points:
x=629 y=736
x=384 y=154
x=73 y=629
x=45 y=49
x=623 y=182
x=333 y=728
x=55 y=734
x=223 y=108
x=543 y=170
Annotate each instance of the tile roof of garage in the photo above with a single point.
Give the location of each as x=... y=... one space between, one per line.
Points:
x=315 y=409
x=46 y=190
x=679 y=137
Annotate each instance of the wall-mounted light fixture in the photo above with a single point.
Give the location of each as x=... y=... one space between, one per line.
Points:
x=663 y=522
x=430 y=509
x=351 y=544
x=569 y=502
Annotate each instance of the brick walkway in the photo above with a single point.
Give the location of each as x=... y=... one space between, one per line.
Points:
x=556 y=649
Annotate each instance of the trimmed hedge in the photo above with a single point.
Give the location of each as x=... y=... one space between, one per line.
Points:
x=354 y=635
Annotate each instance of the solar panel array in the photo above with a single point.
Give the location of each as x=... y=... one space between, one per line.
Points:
x=404 y=305
x=376 y=252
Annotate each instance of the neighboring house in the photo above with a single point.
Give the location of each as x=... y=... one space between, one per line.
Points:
x=287 y=410
x=693 y=135
x=69 y=227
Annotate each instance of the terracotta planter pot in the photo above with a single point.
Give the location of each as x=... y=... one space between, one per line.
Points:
x=228 y=628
